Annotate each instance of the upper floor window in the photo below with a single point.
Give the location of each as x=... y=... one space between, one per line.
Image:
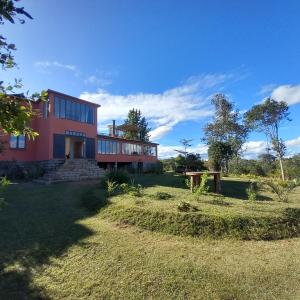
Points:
x=72 y=110
x=17 y=142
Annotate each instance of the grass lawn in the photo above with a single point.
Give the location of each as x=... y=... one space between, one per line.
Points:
x=51 y=247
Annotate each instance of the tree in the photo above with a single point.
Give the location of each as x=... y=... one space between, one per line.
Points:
x=267 y=118
x=219 y=153
x=186 y=144
x=225 y=135
x=140 y=130
x=15 y=112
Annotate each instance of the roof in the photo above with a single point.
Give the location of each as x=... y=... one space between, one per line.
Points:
x=125 y=140
x=68 y=96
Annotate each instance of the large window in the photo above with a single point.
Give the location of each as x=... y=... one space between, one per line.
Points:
x=108 y=147
x=131 y=149
x=150 y=150
x=72 y=110
x=17 y=142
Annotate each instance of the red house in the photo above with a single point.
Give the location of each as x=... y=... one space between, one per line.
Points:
x=67 y=128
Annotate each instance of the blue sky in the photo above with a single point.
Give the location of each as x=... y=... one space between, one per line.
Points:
x=166 y=58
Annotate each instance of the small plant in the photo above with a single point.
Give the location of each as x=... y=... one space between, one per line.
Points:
x=281 y=189
x=252 y=191
x=219 y=200
x=203 y=187
x=132 y=189
x=187 y=183
x=4 y=182
x=111 y=187
x=162 y=196
x=185 y=206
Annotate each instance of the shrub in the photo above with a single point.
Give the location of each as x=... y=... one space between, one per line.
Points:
x=162 y=196
x=118 y=177
x=93 y=202
x=203 y=187
x=252 y=191
x=3 y=184
x=111 y=187
x=280 y=188
x=132 y=189
x=218 y=200
x=185 y=206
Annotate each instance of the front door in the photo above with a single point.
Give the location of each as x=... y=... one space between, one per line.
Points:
x=78 y=149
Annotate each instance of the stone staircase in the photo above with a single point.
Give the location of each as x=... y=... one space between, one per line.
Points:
x=73 y=170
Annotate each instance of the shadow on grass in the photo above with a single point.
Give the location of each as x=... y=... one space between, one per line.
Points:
x=238 y=189
x=38 y=223
x=230 y=188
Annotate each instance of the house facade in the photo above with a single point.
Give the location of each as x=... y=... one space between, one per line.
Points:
x=67 y=128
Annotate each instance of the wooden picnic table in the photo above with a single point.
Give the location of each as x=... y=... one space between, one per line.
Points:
x=196 y=177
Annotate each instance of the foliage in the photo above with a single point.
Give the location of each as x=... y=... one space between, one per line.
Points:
x=162 y=196
x=225 y=135
x=203 y=187
x=93 y=202
x=292 y=167
x=111 y=187
x=15 y=111
x=280 y=188
x=185 y=206
x=192 y=162
x=141 y=131
x=132 y=189
x=219 y=153
x=252 y=191
x=267 y=117
x=117 y=176
x=4 y=182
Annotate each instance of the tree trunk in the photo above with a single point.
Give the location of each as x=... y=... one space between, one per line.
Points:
x=281 y=169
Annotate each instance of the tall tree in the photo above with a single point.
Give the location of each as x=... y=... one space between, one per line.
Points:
x=226 y=133
x=185 y=144
x=267 y=118
x=15 y=112
x=139 y=126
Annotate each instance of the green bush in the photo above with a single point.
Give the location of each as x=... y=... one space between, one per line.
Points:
x=185 y=206
x=281 y=189
x=203 y=187
x=93 y=202
x=132 y=189
x=118 y=177
x=162 y=196
x=111 y=187
x=252 y=191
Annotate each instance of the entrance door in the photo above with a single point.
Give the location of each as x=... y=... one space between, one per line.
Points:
x=78 y=149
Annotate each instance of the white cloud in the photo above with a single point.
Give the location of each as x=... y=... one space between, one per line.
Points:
x=188 y=101
x=169 y=151
x=251 y=149
x=288 y=93
x=45 y=65
x=94 y=80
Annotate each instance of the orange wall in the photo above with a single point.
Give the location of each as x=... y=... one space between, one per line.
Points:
x=42 y=147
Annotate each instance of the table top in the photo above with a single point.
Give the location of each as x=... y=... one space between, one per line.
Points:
x=201 y=173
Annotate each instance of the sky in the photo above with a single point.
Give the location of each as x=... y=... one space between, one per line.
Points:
x=167 y=58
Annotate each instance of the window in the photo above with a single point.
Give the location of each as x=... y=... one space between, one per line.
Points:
x=108 y=147
x=17 y=142
x=72 y=110
x=150 y=150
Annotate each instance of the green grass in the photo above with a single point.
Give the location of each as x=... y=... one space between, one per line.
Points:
x=214 y=216
x=51 y=247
